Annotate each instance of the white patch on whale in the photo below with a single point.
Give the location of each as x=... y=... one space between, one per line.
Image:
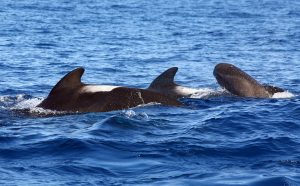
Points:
x=98 y=88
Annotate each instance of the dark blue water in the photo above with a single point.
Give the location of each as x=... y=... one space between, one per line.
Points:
x=216 y=140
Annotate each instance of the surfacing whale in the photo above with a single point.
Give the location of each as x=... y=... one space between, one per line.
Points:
x=71 y=95
x=239 y=83
x=165 y=84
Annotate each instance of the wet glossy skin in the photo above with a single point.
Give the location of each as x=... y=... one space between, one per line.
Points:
x=71 y=95
x=239 y=82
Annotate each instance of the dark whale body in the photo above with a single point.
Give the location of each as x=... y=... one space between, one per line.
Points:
x=165 y=84
x=71 y=95
x=239 y=83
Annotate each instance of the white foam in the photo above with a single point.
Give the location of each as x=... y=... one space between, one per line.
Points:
x=285 y=94
x=207 y=92
x=132 y=114
x=9 y=101
x=41 y=111
x=4 y=99
x=185 y=90
x=129 y=113
x=31 y=106
x=195 y=92
x=27 y=103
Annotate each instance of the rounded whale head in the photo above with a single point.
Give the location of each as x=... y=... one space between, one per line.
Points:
x=240 y=83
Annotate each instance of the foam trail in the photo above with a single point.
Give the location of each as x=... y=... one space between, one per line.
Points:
x=27 y=103
x=29 y=106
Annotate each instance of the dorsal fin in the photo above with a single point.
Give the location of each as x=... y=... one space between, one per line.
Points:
x=165 y=79
x=71 y=80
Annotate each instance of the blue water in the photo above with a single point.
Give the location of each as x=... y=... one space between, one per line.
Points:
x=216 y=140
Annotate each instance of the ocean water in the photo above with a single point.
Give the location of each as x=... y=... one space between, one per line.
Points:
x=217 y=139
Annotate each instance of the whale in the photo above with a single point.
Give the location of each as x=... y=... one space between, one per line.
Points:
x=239 y=83
x=70 y=94
x=165 y=84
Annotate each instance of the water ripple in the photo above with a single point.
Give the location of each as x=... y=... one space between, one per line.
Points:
x=216 y=139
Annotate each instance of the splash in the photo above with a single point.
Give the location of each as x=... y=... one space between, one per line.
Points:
x=23 y=103
x=285 y=94
x=207 y=93
x=10 y=100
x=26 y=104
x=133 y=114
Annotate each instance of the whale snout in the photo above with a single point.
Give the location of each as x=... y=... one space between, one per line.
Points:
x=223 y=69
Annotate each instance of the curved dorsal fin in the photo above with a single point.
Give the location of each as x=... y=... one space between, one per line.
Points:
x=165 y=79
x=71 y=80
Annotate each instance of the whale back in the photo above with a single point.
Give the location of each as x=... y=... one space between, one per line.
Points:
x=71 y=95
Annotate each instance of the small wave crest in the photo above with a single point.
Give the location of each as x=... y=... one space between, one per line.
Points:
x=133 y=114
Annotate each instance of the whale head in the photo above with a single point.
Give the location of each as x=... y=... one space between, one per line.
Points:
x=240 y=83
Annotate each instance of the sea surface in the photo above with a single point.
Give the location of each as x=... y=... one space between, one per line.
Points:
x=217 y=139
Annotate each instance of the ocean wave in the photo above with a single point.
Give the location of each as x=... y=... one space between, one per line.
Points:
x=26 y=104
x=215 y=139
